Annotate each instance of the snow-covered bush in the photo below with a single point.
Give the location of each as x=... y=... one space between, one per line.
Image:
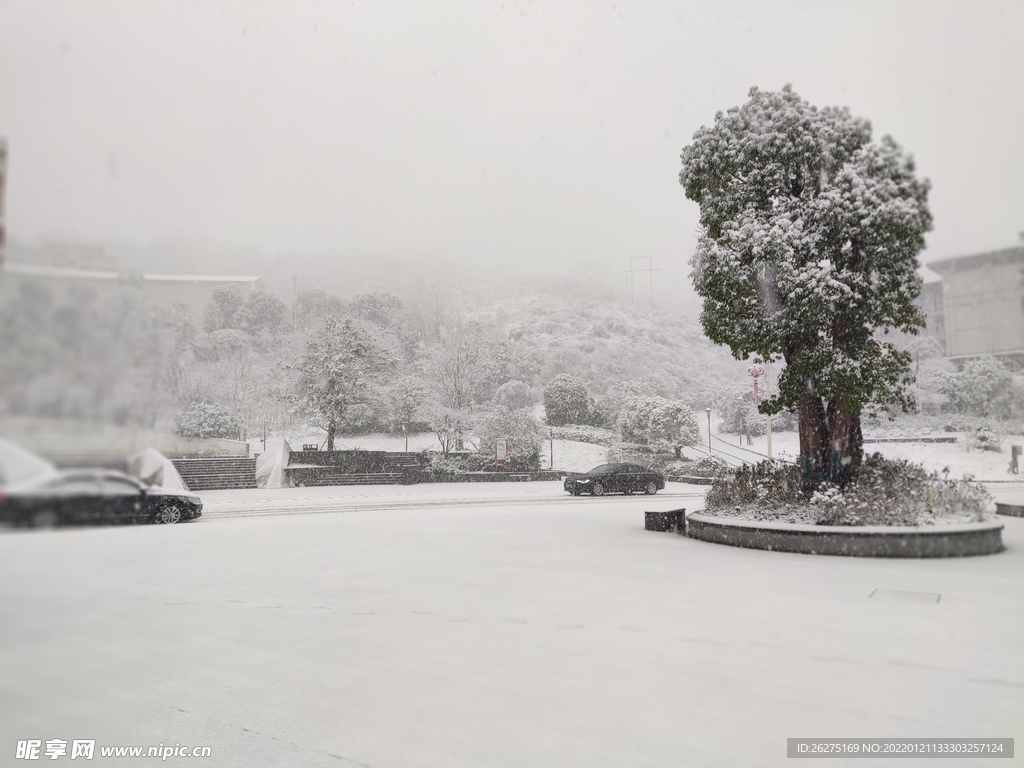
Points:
x=441 y=467
x=205 y=420
x=983 y=387
x=664 y=425
x=984 y=439
x=567 y=401
x=883 y=492
x=520 y=428
x=707 y=466
x=765 y=483
x=514 y=395
x=583 y=433
x=261 y=312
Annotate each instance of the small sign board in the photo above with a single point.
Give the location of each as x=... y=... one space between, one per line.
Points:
x=501 y=449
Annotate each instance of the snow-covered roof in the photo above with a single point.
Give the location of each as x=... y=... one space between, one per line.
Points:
x=41 y=270
x=976 y=260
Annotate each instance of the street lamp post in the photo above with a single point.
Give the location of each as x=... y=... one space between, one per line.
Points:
x=405 y=431
x=708 y=412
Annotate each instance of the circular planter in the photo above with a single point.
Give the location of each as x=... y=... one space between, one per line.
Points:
x=1011 y=509
x=852 y=541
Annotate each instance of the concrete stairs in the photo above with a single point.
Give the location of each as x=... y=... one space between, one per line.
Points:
x=399 y=462
x=217 y=472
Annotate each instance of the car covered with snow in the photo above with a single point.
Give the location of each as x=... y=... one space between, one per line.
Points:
x=615 y=478
x=94 y=496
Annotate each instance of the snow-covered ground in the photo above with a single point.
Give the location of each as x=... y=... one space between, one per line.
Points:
x=476 y=633
x=961 y=461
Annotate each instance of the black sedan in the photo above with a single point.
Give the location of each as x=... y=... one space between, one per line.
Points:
x=615 y=478
x=94 y=496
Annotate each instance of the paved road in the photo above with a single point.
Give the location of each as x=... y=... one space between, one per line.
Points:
x=260 y=502
x=538 y=631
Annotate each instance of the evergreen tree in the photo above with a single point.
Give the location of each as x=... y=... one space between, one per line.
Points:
x=809 y=247
x=566 y=401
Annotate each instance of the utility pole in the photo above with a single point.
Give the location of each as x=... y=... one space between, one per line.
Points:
x=3 y=179
x=768 y=394
x=293 y=300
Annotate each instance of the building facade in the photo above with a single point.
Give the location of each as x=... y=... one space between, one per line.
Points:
x=982 y=304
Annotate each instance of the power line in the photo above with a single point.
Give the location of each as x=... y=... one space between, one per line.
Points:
x=651 y=269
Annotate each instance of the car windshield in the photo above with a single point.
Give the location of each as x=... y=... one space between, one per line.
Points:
x=604 y=469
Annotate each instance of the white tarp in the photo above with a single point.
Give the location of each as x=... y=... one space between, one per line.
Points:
x=19 y=465
x=154 y=468
x=271 y=463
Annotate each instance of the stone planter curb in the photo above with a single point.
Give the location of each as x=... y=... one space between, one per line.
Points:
x=1009 y=509
x=963 y=540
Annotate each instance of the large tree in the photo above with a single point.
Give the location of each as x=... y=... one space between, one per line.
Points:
x=808 y=252
x=340 y=369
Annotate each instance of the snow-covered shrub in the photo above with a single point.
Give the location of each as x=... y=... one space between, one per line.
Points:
x=440 y=467
x=513 y=395
x=665 y=425
x=765 y=483
x=205 y=420
x=984 y=439
x=983 y=387
x=567 y=401
x=707 y=466
x=583 y=433
x=520 y=428
x=883 y=492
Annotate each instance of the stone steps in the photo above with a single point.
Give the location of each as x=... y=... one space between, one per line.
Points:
x=216 y=473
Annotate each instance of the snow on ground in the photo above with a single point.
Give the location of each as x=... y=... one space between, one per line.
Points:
x=982 y=465
x=513 y=635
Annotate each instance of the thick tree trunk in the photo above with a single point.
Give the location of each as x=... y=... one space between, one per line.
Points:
x=813 y=439
x=331 y=429
x=845 y=443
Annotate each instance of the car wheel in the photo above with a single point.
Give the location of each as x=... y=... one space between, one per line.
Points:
x=169 y=515
x=44 y=518
x=651 y=488
x=598 y=489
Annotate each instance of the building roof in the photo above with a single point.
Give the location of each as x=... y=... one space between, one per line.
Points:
x=978 y=260
x=40 y=270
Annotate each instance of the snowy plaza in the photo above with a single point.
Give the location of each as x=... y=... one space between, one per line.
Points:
x=487 y=625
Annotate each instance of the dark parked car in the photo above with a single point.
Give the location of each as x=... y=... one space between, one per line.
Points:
x=615 y=478
x=94 y=496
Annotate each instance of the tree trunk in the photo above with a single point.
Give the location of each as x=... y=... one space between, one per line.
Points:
x=813 y=439
x=845 y=442
x=330 y=436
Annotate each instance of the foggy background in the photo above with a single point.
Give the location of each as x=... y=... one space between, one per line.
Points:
x=359 y=146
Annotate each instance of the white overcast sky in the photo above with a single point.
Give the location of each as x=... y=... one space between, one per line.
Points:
x=543 y=133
